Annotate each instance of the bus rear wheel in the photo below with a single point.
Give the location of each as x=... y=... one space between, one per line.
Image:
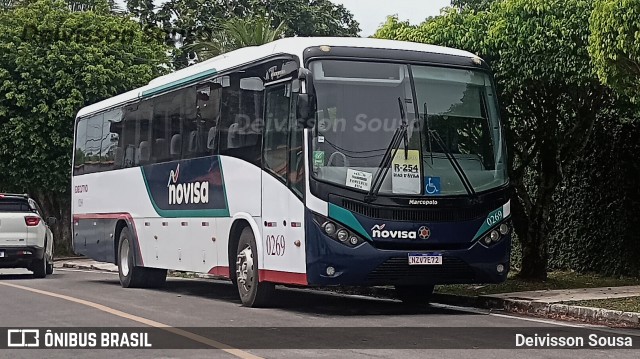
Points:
x=253 y=293
x=132 y=276
x=414 y=295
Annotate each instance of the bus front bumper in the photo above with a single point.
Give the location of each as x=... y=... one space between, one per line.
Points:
x=366 y=265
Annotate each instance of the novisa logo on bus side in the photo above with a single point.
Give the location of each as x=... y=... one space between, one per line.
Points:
x=378 y=231
x=191 y=192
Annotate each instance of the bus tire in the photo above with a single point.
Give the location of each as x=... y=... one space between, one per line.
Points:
x=130 y=275
x=253 y=293
x=414 y=295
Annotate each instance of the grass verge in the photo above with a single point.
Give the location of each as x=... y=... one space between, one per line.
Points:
x=631 y=304
x=555 y=280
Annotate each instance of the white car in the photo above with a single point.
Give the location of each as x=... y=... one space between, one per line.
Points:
x=25 y=238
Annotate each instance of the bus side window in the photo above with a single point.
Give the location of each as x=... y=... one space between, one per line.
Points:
x=296 y=153
x=276 y=131
x=208 y=107
x=111 y=154
x=239 y=128
x=80 y=151
x=93 y=144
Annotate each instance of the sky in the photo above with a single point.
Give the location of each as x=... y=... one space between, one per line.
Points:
x=372 y=13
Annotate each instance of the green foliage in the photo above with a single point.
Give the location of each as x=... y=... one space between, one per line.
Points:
x=53 y=62
x=395 y=29
x=189 y=21
x=477 y=5
x=550 y=95
x=615 y=44
x=595 y=218
x=234 y=34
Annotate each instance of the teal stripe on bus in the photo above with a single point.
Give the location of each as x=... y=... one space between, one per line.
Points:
x=348 y=219
x=179 y=83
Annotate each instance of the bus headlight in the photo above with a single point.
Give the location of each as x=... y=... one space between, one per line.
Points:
x=495 y=236
x=329 y=228
x=337 y=232
x=504 y=229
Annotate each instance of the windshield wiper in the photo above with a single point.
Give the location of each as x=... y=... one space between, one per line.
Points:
x=452 y=159
x=384 y=166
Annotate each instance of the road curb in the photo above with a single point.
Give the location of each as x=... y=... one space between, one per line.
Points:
x=559 y=311
x=599 y=316
x=87 y=267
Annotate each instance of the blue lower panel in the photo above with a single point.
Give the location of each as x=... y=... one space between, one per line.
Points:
x=367 y=265
x=93 y=237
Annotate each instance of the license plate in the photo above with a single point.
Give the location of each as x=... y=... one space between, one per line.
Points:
x=417 y=259
x=1 y=254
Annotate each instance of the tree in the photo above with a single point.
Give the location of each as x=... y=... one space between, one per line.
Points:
x=549 y=93
x=234 y=34
x=187 y=21
x=477 y=5
x=614 y=44
x=53 y=61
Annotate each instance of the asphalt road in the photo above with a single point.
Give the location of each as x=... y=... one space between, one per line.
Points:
x=78 y=299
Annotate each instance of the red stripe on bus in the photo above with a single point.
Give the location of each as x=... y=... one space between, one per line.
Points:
x=221 y=271
x=283 y=277
x=126 y=216
x=267 y=275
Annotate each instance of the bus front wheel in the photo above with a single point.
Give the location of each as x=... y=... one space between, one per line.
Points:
x=253 y=293
x=414 y=295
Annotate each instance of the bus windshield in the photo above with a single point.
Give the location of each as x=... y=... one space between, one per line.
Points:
x=450 y=112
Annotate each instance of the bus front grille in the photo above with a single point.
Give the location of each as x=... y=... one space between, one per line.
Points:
x=427 y=215
x=397 y=269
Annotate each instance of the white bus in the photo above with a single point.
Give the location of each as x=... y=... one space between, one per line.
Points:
x=303 y=162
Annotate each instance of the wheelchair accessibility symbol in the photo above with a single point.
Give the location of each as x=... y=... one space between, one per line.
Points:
x=432 y=185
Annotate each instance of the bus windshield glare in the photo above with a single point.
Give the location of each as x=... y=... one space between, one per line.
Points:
x=358 y=114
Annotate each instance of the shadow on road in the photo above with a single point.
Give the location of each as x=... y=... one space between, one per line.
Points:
x=12 y=276
x=296 y=300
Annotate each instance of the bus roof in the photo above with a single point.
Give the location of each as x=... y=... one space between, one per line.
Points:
x=294 y=46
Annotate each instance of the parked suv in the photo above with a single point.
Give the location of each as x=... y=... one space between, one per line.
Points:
x=25 y=238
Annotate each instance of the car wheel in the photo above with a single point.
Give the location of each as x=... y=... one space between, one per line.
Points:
x=50 y=262
x=39 y=265
x=132 y=276
x=414 y=295
x=253 y=293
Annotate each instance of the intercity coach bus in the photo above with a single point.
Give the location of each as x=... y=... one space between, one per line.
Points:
x=302 y=162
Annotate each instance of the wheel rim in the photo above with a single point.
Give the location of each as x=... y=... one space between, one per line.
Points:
x=244 y=269
x=124 y=257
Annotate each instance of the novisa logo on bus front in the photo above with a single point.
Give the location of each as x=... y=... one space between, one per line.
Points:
x=378 y=231
x=186 y=193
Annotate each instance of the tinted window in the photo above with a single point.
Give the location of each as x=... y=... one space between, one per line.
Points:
x=80 y=152
x=296 y=162
x=208 y=107
x=240 y=125
x=14 y=205
x=111 y=154
x=137 y=134
x=191 y=144
x=93 y=144
x=276 y=130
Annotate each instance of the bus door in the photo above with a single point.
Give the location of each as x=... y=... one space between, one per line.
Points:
x=282 y=210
